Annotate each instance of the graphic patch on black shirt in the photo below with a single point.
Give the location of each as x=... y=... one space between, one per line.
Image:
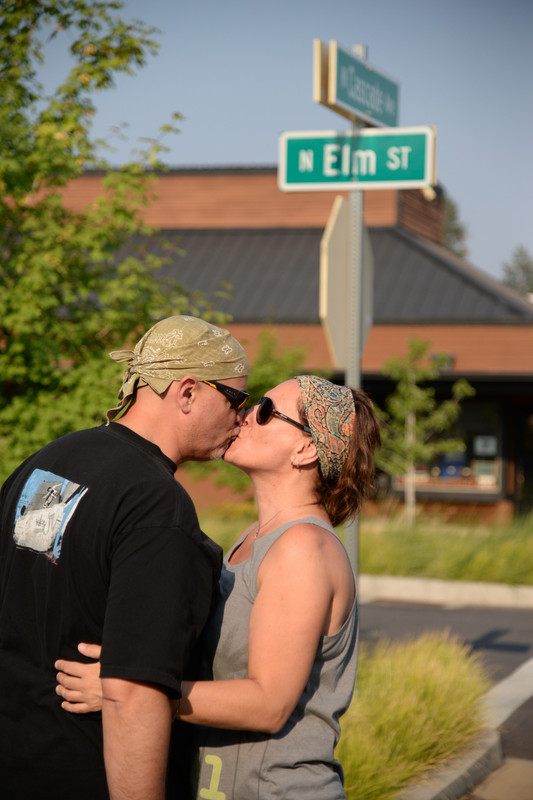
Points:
x=45 y=506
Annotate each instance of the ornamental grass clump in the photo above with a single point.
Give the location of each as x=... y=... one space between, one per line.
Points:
x=416 y=704
x=497 y=553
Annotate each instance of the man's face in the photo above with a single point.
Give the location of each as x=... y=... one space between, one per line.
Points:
x=216 y=422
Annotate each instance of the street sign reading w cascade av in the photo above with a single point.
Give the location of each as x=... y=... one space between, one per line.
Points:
x=401 y=158
x=351 y=87
x=359 y=91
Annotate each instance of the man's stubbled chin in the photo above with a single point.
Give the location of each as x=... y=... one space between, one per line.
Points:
x=230 y=443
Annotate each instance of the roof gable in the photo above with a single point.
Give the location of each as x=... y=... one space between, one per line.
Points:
x=416 y=281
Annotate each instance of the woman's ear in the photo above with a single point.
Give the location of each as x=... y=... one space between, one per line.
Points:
x=306 y=453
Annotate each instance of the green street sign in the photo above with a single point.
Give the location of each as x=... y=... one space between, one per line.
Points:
x=372 y=158
x=359 y=91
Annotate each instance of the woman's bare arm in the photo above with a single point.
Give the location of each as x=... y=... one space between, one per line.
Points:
x=288 y=617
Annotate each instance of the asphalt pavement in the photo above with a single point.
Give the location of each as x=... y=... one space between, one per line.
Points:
x=495 y=622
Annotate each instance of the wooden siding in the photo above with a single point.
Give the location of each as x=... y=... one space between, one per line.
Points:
x=477 y=349
x=311 y=338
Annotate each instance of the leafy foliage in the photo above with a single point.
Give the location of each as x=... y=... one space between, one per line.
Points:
x=66 y=297
x=455 y=231
x=518 y=271
x=414 y=424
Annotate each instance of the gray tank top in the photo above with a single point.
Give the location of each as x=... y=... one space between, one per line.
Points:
x=298 y=762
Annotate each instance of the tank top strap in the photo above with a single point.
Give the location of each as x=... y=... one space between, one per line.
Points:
x=262 y=545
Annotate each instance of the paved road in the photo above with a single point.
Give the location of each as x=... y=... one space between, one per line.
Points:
x=503 y=638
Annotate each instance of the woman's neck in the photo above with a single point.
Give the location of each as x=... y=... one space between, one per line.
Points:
x=272 y=500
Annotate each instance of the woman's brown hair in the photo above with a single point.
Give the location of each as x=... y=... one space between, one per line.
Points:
x=342 y=497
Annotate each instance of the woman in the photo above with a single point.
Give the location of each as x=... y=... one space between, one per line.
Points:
x=283 y=638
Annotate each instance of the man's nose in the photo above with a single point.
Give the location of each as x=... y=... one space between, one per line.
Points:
x=242 y=413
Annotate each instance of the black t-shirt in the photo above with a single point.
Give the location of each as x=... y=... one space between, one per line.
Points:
x=98 y=543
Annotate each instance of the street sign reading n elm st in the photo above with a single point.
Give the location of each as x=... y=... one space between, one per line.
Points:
x=401 y=158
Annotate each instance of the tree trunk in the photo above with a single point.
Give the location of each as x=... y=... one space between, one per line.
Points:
x=409 y=492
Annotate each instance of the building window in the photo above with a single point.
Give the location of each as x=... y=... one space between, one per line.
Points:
x=477 y=469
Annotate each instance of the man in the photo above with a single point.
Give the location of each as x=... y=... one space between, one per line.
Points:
x=100 y=543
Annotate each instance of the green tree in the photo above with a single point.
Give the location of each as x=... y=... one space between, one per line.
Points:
x=518 y=271
x=414 y=424
x=455 y=231
x=66 y=298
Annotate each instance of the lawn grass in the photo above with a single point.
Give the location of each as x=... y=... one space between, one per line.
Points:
x=497 y=553
x=500 y=553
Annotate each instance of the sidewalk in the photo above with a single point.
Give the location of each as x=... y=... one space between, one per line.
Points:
x=482 y=773
x=431 y=590
x=512 y=781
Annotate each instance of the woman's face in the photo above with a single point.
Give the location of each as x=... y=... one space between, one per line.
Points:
x=268 y=446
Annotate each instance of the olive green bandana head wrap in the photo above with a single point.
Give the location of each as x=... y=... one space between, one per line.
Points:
x=176 y=347
x=330 y=412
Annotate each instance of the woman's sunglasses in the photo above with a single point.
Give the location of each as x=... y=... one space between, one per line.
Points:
x=265 y=410
x=237 y=399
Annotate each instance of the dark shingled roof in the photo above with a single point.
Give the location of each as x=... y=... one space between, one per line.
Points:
x=272 y=274
x=274 y=277
x=416 y=281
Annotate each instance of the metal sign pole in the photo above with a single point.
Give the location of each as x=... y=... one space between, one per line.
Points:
x=353 y=371
x=354 y=331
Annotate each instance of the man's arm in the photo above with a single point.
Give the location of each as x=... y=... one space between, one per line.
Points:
x=136 y=721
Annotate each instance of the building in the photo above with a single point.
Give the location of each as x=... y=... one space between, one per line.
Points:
x=233 y=226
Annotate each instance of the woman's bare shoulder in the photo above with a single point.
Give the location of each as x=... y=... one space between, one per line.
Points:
x=307 y=539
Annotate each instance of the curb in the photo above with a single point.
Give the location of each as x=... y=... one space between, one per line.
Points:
x=432 y=591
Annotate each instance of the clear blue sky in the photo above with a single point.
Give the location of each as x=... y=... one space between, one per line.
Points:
x=240 y=72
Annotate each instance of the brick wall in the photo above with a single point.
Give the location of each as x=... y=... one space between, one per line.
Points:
x=244 y=198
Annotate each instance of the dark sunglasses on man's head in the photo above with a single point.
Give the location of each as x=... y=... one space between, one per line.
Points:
x=237 y=399
x=265 y=410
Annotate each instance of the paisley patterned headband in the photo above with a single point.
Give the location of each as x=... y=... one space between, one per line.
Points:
x=175 y=347
x=330 y=412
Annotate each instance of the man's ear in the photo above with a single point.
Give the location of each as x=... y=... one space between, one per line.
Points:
x=306 y=453
x=185 y=392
